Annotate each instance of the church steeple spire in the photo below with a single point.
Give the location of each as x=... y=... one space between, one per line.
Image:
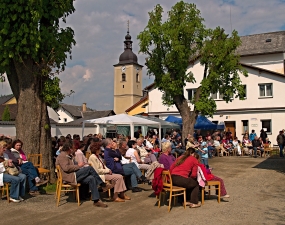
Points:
x=128 y=57
x=128 y=39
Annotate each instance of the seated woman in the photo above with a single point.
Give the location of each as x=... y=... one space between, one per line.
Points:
x=17 y=182
x=209 y=176
x=105 y=173
x=247 y=145
x=236 y=145
x=226 y=144
x=184 y=174
x=27 y=167
x=133 y=154
x=166 y=158
x=113 y=159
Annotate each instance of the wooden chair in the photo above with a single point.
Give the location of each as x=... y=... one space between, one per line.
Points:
x=36 y=159
x=65 y=187
x=5 y=191
x=208 y=185
x=87 y=155
x=168 y=187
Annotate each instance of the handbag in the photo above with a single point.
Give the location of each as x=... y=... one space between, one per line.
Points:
x=11 y=170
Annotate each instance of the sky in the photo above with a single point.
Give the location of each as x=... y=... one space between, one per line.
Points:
x=100 y=28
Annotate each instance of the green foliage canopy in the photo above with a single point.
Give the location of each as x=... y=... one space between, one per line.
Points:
x=30 y=29
x=171 y=44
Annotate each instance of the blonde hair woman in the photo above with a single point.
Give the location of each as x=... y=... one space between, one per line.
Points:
x=166 y=158
x=18 y=183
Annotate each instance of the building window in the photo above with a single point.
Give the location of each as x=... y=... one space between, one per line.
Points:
x=266 y=126
x=191 y=94
x=217 y=96
x=65 y=120
x=123 y=86
x=123 y=77
x=137 y=78
x=265 y=90
x=244 y=95
x=244 y=126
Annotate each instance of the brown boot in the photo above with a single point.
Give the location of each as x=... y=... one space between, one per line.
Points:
x=100 y=204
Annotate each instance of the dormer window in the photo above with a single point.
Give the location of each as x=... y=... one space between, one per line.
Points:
x=123 y=77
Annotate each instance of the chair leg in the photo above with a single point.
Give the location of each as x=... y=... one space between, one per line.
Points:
x=203 y=195
x=209 y=191
x=58 y=194
x=109 y=193
x=169 y=204
x=159 y=199
x=7 y=193
x=56 y=191
x=219 y=193
x=184 y=199
x=77 y=195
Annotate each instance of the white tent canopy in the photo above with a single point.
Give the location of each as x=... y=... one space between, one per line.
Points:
x=123 y=119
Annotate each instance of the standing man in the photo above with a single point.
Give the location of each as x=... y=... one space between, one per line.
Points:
x=252 y=135
x=281 y=141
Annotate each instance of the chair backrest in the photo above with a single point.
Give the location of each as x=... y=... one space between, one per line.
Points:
x=87 y=155
x=58 y=172
x=36 y=159
x=166 y=179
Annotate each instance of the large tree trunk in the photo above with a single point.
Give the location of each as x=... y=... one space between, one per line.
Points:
x=188 y=117
x=32 y=121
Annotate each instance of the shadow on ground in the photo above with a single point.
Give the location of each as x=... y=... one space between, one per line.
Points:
x=272 y=163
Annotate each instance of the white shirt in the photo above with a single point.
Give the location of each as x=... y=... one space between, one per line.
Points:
x=130 y=153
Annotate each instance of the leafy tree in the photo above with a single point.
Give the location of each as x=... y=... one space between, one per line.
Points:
x=6 y=114
x=33 y=50
x=171 y=44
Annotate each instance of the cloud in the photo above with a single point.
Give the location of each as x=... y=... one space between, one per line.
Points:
x=100 y=28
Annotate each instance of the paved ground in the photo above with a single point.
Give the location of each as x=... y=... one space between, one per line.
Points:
x=256 y=186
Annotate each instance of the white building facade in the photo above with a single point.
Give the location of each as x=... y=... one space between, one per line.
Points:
x=264 y=105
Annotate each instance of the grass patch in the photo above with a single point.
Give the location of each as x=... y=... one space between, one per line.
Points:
x=50 y=188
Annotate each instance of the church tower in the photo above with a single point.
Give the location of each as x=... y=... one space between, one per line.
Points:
x=127 y=78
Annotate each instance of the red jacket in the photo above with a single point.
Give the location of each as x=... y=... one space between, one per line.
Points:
x=187 y=169
x=157 y=184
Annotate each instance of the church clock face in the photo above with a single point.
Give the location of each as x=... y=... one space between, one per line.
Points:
x=137 y=68
x=123 y=68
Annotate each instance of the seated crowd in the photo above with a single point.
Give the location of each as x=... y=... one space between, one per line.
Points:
x=122 y=163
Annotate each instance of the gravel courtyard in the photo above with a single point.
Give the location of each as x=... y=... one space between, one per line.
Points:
x=256 y=187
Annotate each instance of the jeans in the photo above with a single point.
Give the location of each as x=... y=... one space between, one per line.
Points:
x=132 y=170
x=205 y=162
x=211 y=151
x=255 y=150
x=30 y=171
x=18 y=184
x=281 y=150
x=87 y=175
x=178 y=151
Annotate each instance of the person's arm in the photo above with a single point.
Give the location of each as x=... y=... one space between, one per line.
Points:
x=97 y=165
x=137 y=157
x=115 y=154
x=194 y=170
x=64 y=163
